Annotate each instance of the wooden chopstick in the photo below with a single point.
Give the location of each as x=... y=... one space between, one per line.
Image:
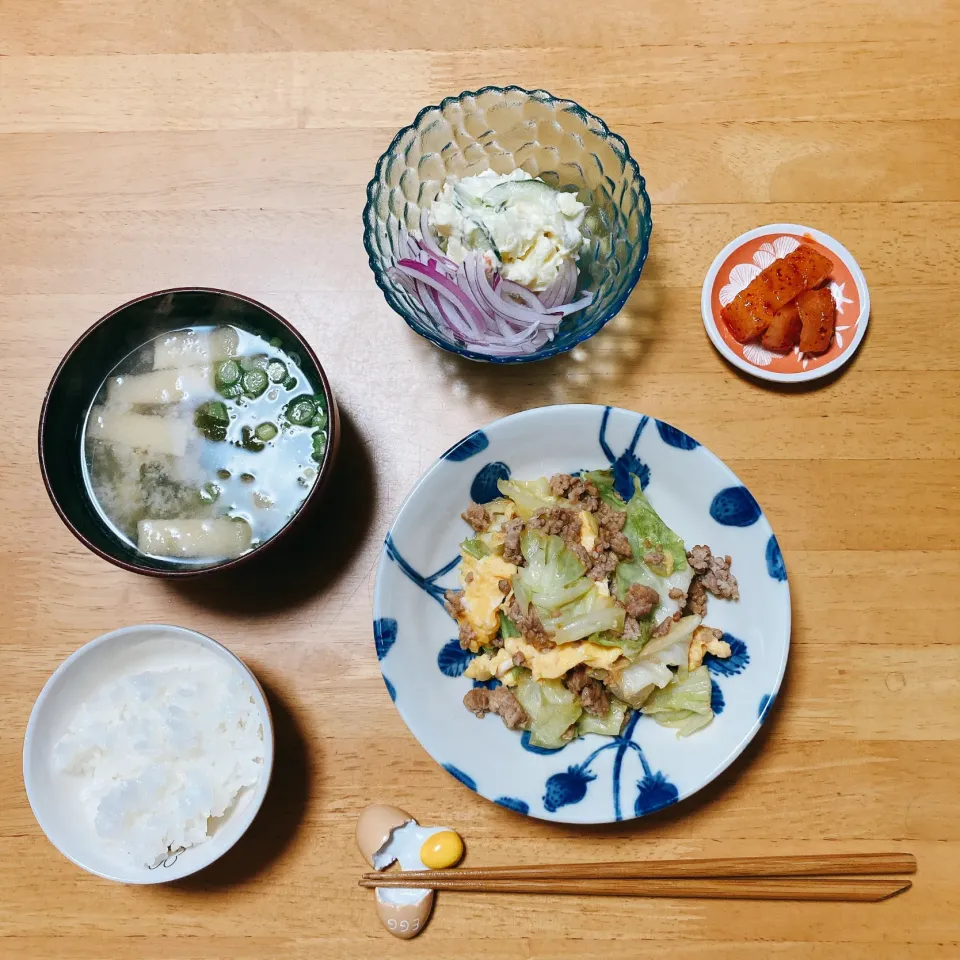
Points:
x=849 y=889
x=828 y=865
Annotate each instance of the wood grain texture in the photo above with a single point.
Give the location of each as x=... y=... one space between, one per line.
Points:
x=228 y=143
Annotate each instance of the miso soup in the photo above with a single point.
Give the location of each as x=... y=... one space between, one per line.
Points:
x=202 y=443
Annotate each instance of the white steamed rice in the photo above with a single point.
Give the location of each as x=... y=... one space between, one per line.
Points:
x=161 y=754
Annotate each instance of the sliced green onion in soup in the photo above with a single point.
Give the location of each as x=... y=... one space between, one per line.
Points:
x=212 y=419
x=277 y=371
x=209 y=492
x=255 y=382
x=301 y=411
x=249 y=440
x=319 y=445
x=228 y=374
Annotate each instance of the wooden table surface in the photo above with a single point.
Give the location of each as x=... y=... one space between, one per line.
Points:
x=154 y=144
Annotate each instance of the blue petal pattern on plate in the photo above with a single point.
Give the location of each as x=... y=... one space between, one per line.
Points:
x=391 y=690
x=735 y=507
x=627 y=463
x=775 y=565
x=384 y=635
x=716 y=698
x=484 y=487
x=468 y=447
x=593 y=779
x=675 y=438
x=736 y=663
x=458 y=774
x=766 y=702
x=453 y=659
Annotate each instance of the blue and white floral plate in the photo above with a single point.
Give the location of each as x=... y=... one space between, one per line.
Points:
x=594 y=779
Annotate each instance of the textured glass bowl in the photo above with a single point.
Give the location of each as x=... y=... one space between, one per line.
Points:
x=502 y=128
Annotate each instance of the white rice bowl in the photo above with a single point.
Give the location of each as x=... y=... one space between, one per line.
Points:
x=188 y=775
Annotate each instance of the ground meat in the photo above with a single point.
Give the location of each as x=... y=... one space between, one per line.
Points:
x=609 y=519
x=557 y=521
x=584 y=495
x=631 y=628
x=453 y=603
x=697 y=598
x=677 y=594
x=610 y=537
x=620 y=545
x=504 y=586
x=591 y=692
x=581 y=492
x=665 y=625
x=468 y=578
x=655 y=558
x=641 y=600
x=511 y=543
x=499 y=701
x=714 y=572
x=477 y=517
x=530 y=627
x=519 y=660
x=602 y=564
x=581 y=551
x=468 y=636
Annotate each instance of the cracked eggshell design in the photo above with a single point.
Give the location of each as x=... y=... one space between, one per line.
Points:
x=742 y=259
x=387 y=835
x=594 y=779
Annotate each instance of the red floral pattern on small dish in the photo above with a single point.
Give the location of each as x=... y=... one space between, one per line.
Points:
x=743 y=259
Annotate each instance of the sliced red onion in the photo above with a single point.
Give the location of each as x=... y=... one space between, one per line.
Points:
x=562 y=288
x=569 y=308
x=519 y=292
x=447 y=288
x=512 y=310
x=495 y=316
x=429 y=242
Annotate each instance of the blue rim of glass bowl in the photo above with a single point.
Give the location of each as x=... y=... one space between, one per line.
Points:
x=552 y=350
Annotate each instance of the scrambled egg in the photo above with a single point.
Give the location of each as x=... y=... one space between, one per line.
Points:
x=704 y=641
x=545 y=664
x=589 y=530
x=551 y=664
x=488 y=665
x=500 y=511
x=535 y=233
x=481 y=596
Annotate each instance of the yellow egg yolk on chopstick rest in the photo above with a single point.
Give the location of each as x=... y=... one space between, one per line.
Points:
x=442 y=850
x=481 y=598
